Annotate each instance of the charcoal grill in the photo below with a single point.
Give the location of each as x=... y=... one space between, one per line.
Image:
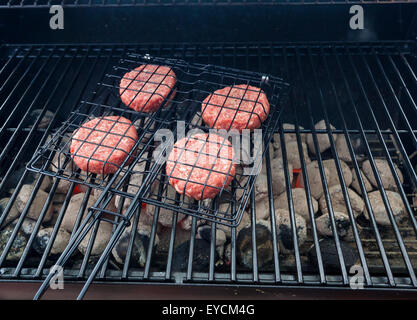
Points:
x=365 y=86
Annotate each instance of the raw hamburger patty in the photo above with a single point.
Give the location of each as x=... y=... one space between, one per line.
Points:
x=237 y=107
x=102 y=144
x=146 y=87
x=205 y=161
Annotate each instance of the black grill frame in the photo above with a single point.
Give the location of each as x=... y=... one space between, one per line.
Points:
x=370 y=51
x=169 y=3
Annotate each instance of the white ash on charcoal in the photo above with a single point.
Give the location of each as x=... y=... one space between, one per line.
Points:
x=355 y=182
x=322 y=138
x=333 y=177
x=44 y=236
x=74 y=206
x=140 y=244
x=330 y=257
x=380 y=212
x=285 y=231
x=73 y=209
x=385 y=174
x=293 y=156
x=288 y=136
x=36 y=205
x=19 y=243
x=44 y=122
x=101 y=240
x=299 y=202
x=338 y=201
x=12 y=214
x=314 y=179
x=264 y=246
x=342 y=222
x=201 y=256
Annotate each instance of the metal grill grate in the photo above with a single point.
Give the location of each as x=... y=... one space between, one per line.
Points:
x=366 y=91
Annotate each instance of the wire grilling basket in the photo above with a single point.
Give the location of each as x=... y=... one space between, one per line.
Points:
x=185 y=99
x=194 y=93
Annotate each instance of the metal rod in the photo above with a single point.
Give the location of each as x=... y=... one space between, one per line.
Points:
x=326 y=192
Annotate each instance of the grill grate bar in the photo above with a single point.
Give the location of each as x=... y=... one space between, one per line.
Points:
x=414 y=141
x=12 y=73
x=270 y=192
x=9 y=61
x=3 y=106
x=53 y=235
x=69 y=193
x=170 y=255
x=255 y=271
x=394 y=173
x=410 y=98
x=191 y=249
x=273 y=220
x=367 y=202
x=360 y=179
x=409 y=68
x=40 y=179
